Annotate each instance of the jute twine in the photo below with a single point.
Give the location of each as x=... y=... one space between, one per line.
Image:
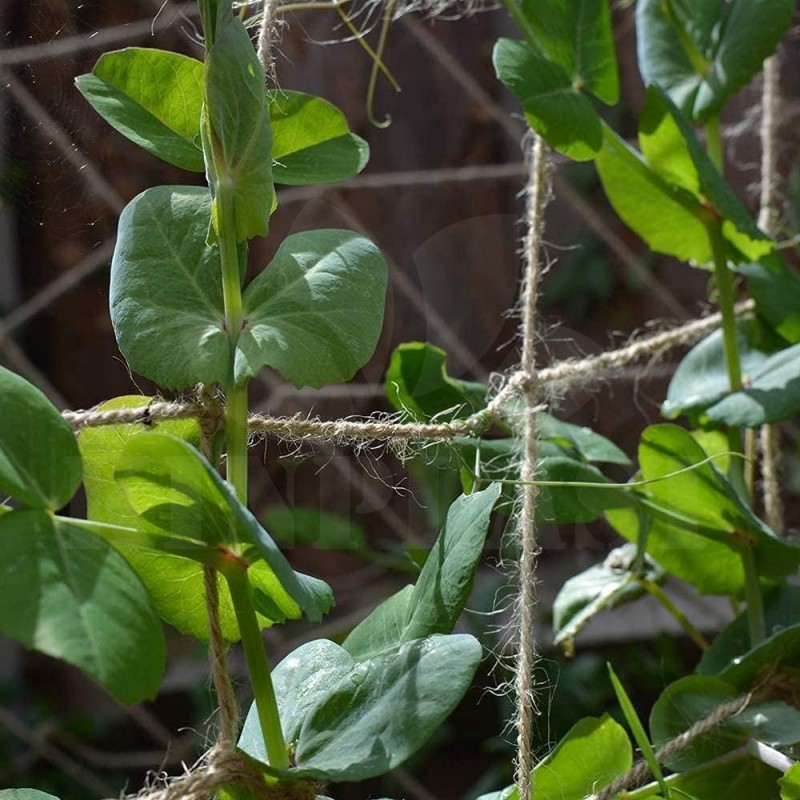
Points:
x=768 y=219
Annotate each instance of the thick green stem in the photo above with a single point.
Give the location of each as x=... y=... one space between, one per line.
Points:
x=755 y=601
x=257 y=666
x=236 y=396
x=714 y=143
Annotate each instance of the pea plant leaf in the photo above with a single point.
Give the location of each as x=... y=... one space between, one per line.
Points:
x=776 y=291
x=790 y=783
x=418 y=384
x=174 y=488
x=152 y=97
x=561 y=114
x=315 y=313
x=236 y=129
x=311 y=141
x=67 y=593
x=348 y=719
x=594 y=752
x=310 y=526
x=37 y=476
x=172 y=571
x=24 y=794
x=702 y=51
x=693 y=698
x=166 y=294
x=577 y=36
x=441 y=590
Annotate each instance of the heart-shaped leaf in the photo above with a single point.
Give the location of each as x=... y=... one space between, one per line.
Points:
x=154 y=98
x=311 y=141
x=67 y=593
x=39 y=461
x=703 y=51
x=349 y=720
x=315 y=313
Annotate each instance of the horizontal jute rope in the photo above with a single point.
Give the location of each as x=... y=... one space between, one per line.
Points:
x=299 y=428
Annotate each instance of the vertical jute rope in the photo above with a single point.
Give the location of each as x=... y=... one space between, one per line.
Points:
x=767 y=221
x=538 y=192
x=266 y=36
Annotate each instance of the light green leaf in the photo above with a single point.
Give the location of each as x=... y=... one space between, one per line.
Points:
x=311 y=141
x=585 y=443
x=39 y=461
x=554 y=108
x=66 y=593
x=237 y=127
x=417 y=383
x=577 y=36
x=606 y=585
x=702 y=378
x=592 y=754
x=703 y=51
x=154 y=98
x=166 y=294
x=24 y=794
x=694 y=698
x=168 y=483
x=790 y=783
x=316 y=312
x=350 y=720
x=309 y=526
x=441 y=590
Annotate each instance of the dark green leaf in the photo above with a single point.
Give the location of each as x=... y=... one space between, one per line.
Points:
x=39 y=461
x=703 y=51
x=577 y=36
x=417 y=383
x=154 y=98
x=66 y=593
x=24 y=794
x=350 y=720
x=166 y=294
x=169 y=484
x=238 y=128
x=592 y=754
x=776 y=289
x=554 y=108
x=606 y=585
x=740 y=778
x=587 y=444
x=311 y=141
x=772 y=393
x=315 y=313
x=438 y=598
x=309 y=526
x=702 y=376
x=694 y=698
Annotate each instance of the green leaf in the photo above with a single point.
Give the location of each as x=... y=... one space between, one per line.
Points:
x=553 y=107
x=24 y=794
x=776 y=290
x=311 y=141
x=66 y=593
x=174 y=488
x=349 y=720
x=606 y=585
x=39 y=461
x=577 y=36
x=585 y=443
x=592 y=754
x=237 y=127
x=166 y=294
x=739 y=778
x=694 y=698
x=309 y=526
x=154 y=98
x=703 y=51
x=772 y=394
x=702 y=495
x=790 y=783
x=438 y=598
x=316 y=312
x=701 y=379
x=174 y=581
x=417 y=383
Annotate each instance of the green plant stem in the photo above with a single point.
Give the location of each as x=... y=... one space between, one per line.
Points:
x=656 y=591
x=236 y=396
x=257 y=665
x=515 y=12
x=714 y=143
x=755 y=601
